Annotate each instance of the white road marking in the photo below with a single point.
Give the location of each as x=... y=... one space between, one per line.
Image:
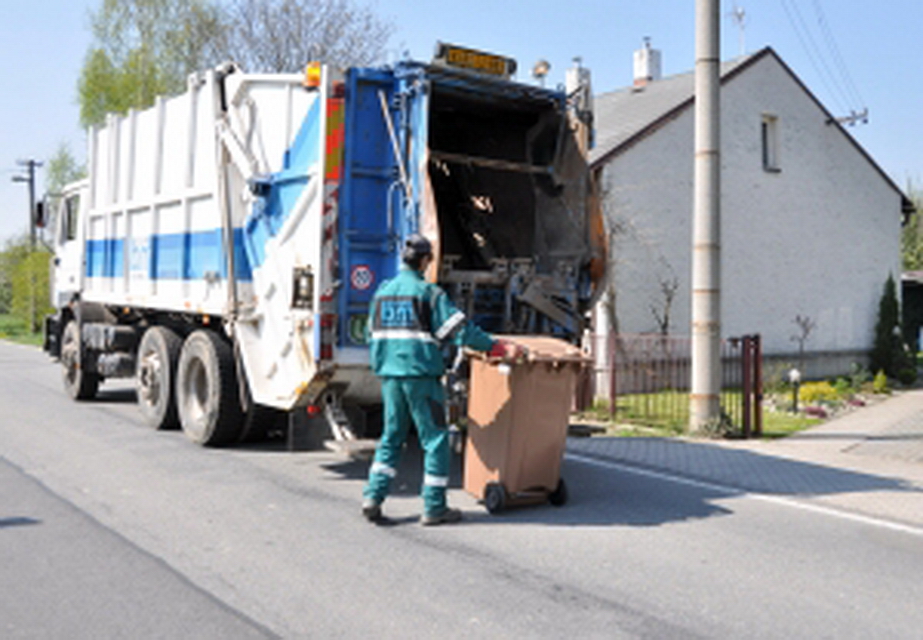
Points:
x=733 y=491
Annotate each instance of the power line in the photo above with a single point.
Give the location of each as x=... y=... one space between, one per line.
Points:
x=814 y=55
x=835 y=50
x=838 y=83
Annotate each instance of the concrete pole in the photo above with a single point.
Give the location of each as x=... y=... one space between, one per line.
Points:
x=32 y=231
x=704 y=401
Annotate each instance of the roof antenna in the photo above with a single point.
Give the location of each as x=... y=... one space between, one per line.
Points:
x=739 y=16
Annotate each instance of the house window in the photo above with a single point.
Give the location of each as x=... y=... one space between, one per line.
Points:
x=770 y=141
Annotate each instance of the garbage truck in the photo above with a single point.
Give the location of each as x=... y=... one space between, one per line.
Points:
x=226 y=242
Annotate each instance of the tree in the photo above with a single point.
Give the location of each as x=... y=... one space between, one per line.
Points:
x=283 y=35
x=912 y=234
x=60 y=170
x=24 y=284
x=889 y=351
x=805 y=326
x=142 y=49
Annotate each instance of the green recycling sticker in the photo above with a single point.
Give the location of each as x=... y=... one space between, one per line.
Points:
x=357 y=324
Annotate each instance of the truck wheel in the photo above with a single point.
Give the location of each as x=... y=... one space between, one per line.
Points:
x=79 y=384
x=206 y=391
x=494 y=497
x=158 y=356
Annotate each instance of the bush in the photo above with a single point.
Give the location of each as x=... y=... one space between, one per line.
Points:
x=775 y=378
x=907 y=375
x=843 y=388
x=814 y=392
x=858 y=376
x=889 y=352
x=11 y=327
x=880 y=383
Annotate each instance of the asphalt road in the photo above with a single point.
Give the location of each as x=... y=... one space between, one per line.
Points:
x=106 y=526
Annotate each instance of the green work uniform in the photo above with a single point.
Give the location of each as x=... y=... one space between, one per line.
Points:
x=409 y=322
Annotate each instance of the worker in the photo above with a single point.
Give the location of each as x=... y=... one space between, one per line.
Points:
x=410 y=320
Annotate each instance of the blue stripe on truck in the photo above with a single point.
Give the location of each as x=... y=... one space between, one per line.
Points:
x=270 y=212
x=173 y=256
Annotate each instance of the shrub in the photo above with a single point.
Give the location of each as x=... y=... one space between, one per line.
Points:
x=907 y=375
x=815 y=412
x=775 y=378
x=814 y=392
x=843 y=388
x=858 y=376
x=880 y=383
x=889 y=352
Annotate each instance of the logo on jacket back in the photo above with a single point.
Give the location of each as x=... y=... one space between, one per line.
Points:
x=401 y=312
x=398 y=314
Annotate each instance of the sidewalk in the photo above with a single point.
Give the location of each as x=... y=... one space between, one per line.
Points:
x=869 y=461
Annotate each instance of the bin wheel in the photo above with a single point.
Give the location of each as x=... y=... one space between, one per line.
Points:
x=494 y=497
x=558 y=497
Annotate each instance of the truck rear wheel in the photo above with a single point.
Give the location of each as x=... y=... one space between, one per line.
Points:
x=158 y=356
x=79 y=383
x=206 y=391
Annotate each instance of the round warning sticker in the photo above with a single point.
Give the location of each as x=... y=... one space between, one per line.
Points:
x=362 y=277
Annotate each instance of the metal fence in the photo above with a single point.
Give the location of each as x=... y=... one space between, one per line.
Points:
x=646 y=379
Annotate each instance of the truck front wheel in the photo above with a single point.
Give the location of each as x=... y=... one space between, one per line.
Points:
x=158 y=356
x=79 y=383
x=206 y=391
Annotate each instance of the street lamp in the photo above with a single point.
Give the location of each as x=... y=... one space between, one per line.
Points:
x=794 y=376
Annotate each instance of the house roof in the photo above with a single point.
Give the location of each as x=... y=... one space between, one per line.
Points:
x=626 y=116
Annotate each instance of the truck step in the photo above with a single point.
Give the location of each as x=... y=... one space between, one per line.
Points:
x=362 y=449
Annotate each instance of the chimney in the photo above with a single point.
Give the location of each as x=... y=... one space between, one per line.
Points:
x=647 y=64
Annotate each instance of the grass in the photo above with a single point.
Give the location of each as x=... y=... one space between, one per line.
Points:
x=16 y=330
x=666 y=414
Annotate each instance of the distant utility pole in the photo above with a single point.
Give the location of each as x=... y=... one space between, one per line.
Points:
x=30 y=166
x=705 y=399
x=739 y=16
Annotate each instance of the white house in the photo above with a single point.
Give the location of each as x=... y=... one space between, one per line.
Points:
x=810 y=225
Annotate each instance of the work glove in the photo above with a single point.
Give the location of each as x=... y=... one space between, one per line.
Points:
x=507 y=350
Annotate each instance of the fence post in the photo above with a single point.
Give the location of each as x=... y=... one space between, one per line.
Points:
x=746 y=383
x=611 y=359
x=757 y=386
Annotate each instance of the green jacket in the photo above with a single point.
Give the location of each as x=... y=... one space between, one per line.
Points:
x=410 y=320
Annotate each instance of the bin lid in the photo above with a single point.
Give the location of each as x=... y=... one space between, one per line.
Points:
x=545 y=349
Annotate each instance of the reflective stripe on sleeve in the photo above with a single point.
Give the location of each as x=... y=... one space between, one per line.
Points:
x=435 y=481
x=450 y=325
x=403 y=334
x=383 y=469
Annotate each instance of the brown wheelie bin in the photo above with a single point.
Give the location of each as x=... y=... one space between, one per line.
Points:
x=517 y=424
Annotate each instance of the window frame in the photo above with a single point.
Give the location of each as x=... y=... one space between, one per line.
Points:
x=769 y=142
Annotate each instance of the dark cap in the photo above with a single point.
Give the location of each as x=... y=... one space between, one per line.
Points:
x=415 y=247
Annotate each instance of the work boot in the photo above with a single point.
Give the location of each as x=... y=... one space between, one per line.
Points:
x=448 y=516
x=371 y=511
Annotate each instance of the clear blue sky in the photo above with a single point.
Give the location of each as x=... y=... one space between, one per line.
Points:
x=42 y=44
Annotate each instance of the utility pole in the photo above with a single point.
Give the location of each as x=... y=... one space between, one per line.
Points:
x=30 y=166
x=704 y=400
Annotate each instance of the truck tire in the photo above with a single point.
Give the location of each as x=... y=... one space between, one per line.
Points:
x=79 y=384
x=155 y=377
x=206 y=391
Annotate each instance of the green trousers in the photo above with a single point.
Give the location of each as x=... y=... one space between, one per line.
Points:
x=422 y=401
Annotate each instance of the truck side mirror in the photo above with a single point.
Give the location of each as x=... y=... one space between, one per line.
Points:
x=40 y=214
